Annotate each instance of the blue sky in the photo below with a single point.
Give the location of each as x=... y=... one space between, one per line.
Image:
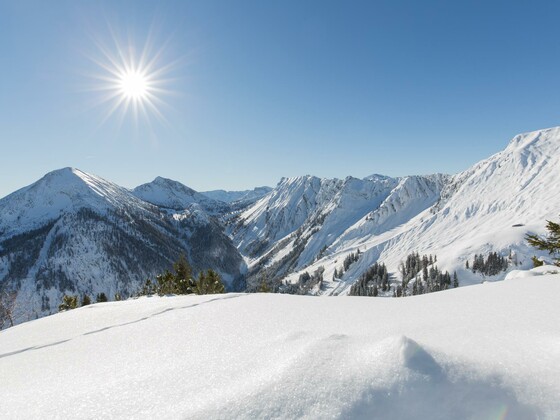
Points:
x=265 y=89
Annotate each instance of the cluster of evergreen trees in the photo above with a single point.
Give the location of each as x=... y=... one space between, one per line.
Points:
x=71 y=301
x=351 y=259
x=432 y=280
x=178 y=282
x=182 y=282
x=489 y=266
x=427 y=277
x=348 y=261
x=305 y=283
x=376 y=277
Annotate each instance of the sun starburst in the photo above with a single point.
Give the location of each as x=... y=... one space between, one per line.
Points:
x=131 y=82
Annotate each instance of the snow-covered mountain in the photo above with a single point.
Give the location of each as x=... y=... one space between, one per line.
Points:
x=490 y=207
x=304 y=218
x=73 y=232
x=171 y=194
x=489 y=351
x=238 y=198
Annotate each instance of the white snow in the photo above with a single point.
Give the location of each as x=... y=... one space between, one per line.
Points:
x=490 y=207
x=57 y=193
x=486 y=351
x=247 y=196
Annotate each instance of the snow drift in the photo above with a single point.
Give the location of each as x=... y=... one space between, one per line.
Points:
x=487 y=351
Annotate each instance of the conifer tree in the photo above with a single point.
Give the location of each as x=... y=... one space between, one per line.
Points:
x=550 y=243
x=86 y=300
x=263 y=288
x=148 y=288
x=182 y=268
x=537 y=262
x=165 y=283
x=68 y=302
x=101 y=297
x=209 y=283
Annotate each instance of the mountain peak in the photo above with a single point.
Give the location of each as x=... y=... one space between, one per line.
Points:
x=377 y=177
x=542 y=139
x=168 y=193
x=59 y=191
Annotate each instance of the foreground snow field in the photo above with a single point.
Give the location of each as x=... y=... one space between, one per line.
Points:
x=490 y=351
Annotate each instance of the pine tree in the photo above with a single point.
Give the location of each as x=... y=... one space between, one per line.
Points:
x=68 y=302
x=101 y=297
x=148 y=288
x=182 y=282
x=550 y=243
x=182 y=268
x=537 y=262
x=86 y=300
x=165 y=283
x=263 y=288
x=209 y=283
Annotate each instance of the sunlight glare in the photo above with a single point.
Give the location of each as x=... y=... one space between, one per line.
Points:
x=132 y=80
x=134 y=85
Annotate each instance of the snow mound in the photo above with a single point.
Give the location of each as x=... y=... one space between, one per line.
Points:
x=537 y=271
x=487 y=351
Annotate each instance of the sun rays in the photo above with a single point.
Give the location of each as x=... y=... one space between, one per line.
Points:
x=131 y=81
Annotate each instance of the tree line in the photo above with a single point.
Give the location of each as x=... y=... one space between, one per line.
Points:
x=179 y=281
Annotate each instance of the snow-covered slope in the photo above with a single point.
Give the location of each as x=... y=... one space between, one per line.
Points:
x=171 y=194
x=73 y=228
x=305 y=202
x=72 y=232
x=60 y=191
x=488 y=208
x=302 y=218
x=238 y=198
x=484 y=352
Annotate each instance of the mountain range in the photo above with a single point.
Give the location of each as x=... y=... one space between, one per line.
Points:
x=73 y=232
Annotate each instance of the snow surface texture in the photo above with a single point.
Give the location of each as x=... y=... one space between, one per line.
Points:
x=490 y=351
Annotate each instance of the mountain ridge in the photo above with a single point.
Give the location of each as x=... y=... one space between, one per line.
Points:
x=304 y=225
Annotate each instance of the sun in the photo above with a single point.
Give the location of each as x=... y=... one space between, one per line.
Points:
x=134 y=85
x=131 y=80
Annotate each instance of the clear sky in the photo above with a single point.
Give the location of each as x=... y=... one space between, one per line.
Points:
x=256 y=90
